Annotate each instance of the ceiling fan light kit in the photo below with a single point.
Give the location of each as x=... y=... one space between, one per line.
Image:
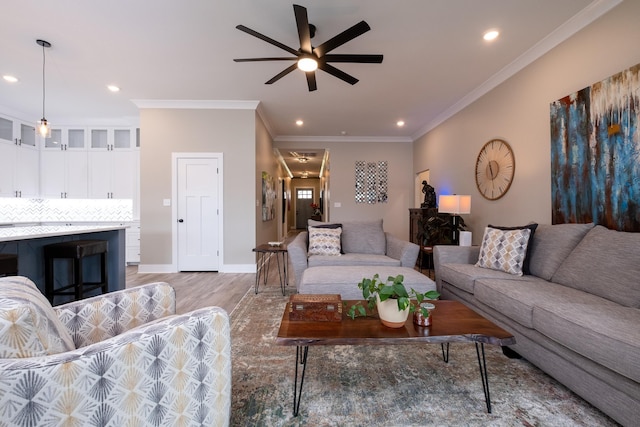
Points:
x=308 y=58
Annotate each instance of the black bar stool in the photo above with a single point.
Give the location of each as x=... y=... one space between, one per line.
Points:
x=76 y=251
x=8 y=265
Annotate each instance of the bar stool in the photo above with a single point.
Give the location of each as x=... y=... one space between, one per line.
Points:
x=76 y=251
x=8 y=265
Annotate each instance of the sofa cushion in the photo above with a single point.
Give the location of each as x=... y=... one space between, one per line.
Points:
x=364 y=237
x=464 y=276
x=604 y=333
x=324 y=241
x=504 y=250
x=532 y=227
x=551 y=244
x=517 y=299
x=353 y=259
x=605 y=263
x=28 y=324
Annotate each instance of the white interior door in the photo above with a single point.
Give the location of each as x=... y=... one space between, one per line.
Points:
x=198 y=214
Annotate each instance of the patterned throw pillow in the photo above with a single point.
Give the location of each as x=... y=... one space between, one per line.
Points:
x=504 y=250
x=324 y=241
x=28 y=324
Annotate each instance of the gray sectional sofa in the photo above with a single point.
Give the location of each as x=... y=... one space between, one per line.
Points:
x=364 y=243
x=576 y=315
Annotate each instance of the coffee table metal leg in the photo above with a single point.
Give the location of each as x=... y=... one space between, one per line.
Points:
x=301 y=358
x=483 y=374
x=445 y=356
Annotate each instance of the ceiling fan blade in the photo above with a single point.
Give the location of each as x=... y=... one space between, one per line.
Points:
x=268 y=39
x=342 y=38
x=282 y=74
x=369 y=59
x=337 y=73
x=265 y=59
x=302 y=21
x=311 y=80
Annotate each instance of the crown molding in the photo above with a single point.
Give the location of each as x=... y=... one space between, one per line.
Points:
x=579 y=21
x=291 y=138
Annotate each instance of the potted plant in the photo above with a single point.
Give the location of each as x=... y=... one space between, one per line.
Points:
x=392 y=300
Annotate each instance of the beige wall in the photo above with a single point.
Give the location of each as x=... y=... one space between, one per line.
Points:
x=518 y=111
x=266 y=231
x=395 y=213
x=231 y=132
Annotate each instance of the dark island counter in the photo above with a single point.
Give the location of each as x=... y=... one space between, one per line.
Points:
x=27 y=243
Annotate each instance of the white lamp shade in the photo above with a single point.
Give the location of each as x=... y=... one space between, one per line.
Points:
x=454 y=204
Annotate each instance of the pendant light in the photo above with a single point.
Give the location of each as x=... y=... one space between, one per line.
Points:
x=44 y=128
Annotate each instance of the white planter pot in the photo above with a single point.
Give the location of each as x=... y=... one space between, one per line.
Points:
x=390 y=315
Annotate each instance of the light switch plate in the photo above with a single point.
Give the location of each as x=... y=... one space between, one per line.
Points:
x=166 y=202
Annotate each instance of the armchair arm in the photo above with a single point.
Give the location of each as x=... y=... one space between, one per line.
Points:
x=402 y=250
x=451 y=254
x=104 y=316
x=297 y=250
x=173 y=371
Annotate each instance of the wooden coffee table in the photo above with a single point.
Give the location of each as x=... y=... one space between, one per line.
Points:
x=452 y=322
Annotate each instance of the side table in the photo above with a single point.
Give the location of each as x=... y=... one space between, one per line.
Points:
x=265 y=253
x=428 y=252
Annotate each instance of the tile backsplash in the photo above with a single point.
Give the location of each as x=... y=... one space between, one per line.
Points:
x=18 y=210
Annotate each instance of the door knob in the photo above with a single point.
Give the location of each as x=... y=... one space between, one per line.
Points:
x=181 y=220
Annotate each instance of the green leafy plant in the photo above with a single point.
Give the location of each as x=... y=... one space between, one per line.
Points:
x=393 y=288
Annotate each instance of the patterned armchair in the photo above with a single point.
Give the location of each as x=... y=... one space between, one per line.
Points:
x=118 y=359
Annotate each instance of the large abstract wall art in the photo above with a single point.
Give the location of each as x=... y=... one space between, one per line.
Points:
x=595 y=154
x=371 y=182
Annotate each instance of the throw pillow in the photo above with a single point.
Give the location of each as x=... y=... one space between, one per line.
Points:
x=527 y=258
x=324 y=241
x=318 y=224
x=504 y=250
x=28 y=324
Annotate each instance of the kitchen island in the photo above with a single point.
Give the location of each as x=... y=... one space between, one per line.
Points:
x=27 y=242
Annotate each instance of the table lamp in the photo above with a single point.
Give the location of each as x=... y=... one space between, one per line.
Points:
x=456 y=204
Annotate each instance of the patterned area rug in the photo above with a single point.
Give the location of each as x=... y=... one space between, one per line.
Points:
x=403 y=385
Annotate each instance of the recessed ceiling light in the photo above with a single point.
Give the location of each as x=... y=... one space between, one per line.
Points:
x=299 y=122
x=400 y=123
x=113 y=88
x=491 y=35
x=10 y=79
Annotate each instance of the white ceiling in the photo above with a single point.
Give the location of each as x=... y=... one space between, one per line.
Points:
x=435 y=60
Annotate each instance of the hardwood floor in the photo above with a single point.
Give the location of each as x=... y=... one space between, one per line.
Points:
x=199 y=289
x=203 y=289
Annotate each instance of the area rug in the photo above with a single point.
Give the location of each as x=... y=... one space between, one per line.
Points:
x=403 y=385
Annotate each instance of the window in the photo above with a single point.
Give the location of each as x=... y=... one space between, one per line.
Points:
x=305 y=194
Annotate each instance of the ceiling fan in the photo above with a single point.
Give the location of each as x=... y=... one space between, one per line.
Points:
x=309 y=58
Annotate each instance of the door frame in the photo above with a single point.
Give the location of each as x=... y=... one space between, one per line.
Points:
x=174 y=204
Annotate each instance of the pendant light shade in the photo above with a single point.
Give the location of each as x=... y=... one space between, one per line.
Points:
x=44 y=128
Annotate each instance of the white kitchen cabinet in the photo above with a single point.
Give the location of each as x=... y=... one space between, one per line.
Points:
x=64 y=165
x=132 y=235
x=19 y=159
x=111 y=164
